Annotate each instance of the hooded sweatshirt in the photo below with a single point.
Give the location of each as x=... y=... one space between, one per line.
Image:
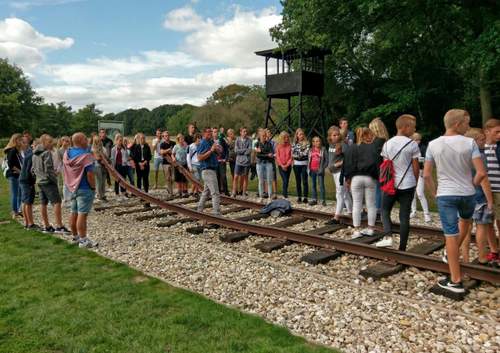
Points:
x=43 y=166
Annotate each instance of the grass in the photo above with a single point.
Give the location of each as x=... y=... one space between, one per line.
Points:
x=57 y=298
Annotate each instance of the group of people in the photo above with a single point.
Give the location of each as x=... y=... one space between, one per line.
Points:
x=38 y=163
x=371 y=172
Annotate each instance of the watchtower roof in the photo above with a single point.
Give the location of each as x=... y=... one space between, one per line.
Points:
x=277 y=53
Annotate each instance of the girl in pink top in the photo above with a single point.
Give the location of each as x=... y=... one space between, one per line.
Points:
x=284 y=160
x=317 y=163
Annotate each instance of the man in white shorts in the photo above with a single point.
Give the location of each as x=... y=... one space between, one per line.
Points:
x=157 y=158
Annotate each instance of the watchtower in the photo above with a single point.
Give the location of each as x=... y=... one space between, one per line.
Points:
x=296 y=74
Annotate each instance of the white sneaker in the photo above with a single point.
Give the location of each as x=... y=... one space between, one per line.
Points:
x=269 y=200
x=86 y=243
x=356 y=234
x=384 y=243
x=413 y=214
x=367 y=231
x=445 y=257
x=261 y=200
x=427 y=218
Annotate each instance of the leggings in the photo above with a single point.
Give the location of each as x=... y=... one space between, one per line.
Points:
x=285 y=176
x=301 y=180
x=421 y=196
x=404 y=197
x=363 y=187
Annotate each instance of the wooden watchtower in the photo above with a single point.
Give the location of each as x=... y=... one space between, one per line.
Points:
x=296 y=74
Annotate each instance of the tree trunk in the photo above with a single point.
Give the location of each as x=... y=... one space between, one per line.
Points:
x=485 y=98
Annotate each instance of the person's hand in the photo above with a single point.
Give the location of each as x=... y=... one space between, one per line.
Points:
x=270 y=155
x=257 y=149
x=348 y=184
x=490 y=206
x=213 y=148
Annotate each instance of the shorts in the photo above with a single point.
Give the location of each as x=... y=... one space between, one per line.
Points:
x=482 y=215
x=179 y=177
x=82 y=200
x=158 y=161
x=196 y=172
x=452 y=207
x=27 y=193
x=49 y=193
x=241 y=170
x=496 y=205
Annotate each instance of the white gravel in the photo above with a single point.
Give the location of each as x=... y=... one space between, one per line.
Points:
x=329 y=304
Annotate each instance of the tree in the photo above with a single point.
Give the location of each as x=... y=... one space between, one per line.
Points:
x=18 y=101
x=86 y=119
x=392 y=56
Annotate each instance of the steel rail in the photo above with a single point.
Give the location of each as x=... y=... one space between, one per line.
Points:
x=423 y=231
x=420 y=261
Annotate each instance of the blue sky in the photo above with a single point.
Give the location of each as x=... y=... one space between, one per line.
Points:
x=129 y=54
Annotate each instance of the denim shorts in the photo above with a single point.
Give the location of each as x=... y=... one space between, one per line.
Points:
x=157 y=163
x=241 y=170
x=482 y=215
x=452 y=207
x=196 y=172
x=27 y=193
x=82 y=200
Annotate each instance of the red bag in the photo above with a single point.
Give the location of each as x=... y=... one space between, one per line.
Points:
x=387 y=174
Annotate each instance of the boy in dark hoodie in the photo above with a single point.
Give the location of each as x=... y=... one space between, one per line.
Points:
x=46 y=178
x=27 y=182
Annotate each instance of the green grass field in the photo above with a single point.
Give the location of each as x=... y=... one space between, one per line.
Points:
x=56 y=298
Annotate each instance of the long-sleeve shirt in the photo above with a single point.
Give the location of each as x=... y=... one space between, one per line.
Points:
x=266 y=151
x=300 y=153
x=284 y=155
x=243 y=150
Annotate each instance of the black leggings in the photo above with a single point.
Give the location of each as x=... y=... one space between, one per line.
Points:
x=301 y=180
x=404 y=197
x=285 y=176
x=143 y=177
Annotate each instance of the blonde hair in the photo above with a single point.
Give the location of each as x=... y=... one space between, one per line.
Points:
x=117 y=137
x=364 y=134
x=332 y=129
x=378 y=128
x=281 y=137
x=45 y=138
x=295 y=140
x=61 y=139
x=416 y=137
x=359 y=135
x=405 y=120
x=13 y=142
x=474 y=132
x=178 y=137
x=455 y=116
x=491 y=123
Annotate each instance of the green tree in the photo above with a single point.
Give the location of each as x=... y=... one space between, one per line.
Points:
x=18 y=101
x=86 y=119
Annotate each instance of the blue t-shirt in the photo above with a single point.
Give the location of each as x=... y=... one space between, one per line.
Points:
x=75 y=152
x=211 y=161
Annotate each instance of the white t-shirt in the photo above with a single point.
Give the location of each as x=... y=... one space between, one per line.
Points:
x=157 y=142
x=453 y=157
x=402 y=161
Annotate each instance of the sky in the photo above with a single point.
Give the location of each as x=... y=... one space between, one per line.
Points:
x=131 y=54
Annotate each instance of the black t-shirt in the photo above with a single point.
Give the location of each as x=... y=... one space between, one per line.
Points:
x=165 y=145
x=189 y=139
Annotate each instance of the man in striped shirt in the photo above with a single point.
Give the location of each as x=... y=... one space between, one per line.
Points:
x=492 y=132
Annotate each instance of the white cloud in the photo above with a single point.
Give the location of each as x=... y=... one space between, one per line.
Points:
x=231 y=42
x=23 y=45
x=100 y=69
x=115 y=84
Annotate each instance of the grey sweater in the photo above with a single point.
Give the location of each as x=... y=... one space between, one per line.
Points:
x=333 y=158
x=43 y=166
x=243 y=150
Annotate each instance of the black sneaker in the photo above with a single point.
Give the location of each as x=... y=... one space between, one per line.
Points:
x=304 y=200
x=48 y=230
x=313 y=203
x=76 y=239
x=62 y=230
x=450 y=286
x=333 y=221
x=323 y=204
x=299 y=200
x=33 y=227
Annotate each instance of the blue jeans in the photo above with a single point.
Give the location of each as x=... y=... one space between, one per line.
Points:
x=301 y=180
x=452 y=207
x=321 y=178
x=265 y=172
x=15 y=194
x=130 y=174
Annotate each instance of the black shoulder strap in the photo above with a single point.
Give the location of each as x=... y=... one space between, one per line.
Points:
x=402 y=148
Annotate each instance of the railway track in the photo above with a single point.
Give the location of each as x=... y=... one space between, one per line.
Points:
x=321 y=236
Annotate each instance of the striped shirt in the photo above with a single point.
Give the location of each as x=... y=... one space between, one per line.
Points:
x=493 y=167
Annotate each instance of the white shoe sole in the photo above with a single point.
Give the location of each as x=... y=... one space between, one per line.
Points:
x=452 y=289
